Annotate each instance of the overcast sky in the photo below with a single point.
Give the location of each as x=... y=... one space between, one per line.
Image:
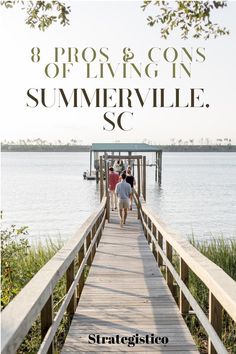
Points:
x=115 y=25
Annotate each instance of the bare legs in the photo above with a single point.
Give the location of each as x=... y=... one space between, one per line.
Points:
x=131 y=201
x=123 y=217
x=113 y=200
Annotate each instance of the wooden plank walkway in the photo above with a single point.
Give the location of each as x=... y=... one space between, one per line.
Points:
x=126 y=294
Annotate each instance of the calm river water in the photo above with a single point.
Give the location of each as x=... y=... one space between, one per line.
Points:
x=46 y=192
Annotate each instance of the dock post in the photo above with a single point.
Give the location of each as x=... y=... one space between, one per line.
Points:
x=160 y=243
x=138 y=176
x=101 y=178
x=70 y=276
x=159 y=167
x=88 y=242
x=90 y=163
x=144 y=178
x=169 y=276
x=184 y=274
x=156 y=168
x=82 y=277
x=149 y=223
x=215 y=318
x=154 y=250
x=46 y=322
x=107 y=191
x=112 y=161
x=129 y=160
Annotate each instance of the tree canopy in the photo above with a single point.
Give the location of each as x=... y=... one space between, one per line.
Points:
x=42 y=14
x=192 y=18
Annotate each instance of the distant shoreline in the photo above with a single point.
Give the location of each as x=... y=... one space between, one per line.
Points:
x=86 y=148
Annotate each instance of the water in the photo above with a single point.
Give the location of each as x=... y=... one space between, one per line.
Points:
x=46 y=192
x=198 y=194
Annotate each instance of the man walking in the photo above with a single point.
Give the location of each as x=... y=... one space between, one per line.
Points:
x=123 y=192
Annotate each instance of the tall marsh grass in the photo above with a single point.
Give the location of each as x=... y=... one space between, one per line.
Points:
x=223 y=253
x=20 y=261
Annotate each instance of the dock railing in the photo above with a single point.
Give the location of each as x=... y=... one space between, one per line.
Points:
x=37 y=296
x=222 y=288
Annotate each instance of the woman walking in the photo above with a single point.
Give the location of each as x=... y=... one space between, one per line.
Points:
x=131 y=180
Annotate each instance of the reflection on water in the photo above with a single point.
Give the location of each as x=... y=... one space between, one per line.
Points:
x=46 y=191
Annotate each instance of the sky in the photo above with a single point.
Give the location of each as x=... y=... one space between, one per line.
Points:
x=114 y=25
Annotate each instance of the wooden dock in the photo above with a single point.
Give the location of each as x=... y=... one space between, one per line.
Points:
x=125 y=294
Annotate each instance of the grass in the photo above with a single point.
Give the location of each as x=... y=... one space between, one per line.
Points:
x=220 y=251
x=20 y=261
x=223 y=253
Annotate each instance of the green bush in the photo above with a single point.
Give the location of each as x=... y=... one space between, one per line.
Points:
x=20 y=262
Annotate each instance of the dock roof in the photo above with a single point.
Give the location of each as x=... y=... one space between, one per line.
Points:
x=124 y=147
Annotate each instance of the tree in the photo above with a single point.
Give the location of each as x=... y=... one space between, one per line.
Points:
x=42 y=14
x=193 y=18
x=180 y=141
x=73 y=141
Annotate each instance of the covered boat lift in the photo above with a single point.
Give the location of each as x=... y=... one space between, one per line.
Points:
x=118 y=150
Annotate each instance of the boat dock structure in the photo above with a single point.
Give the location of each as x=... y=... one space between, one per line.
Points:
x=113 y=151
x=122 y=284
